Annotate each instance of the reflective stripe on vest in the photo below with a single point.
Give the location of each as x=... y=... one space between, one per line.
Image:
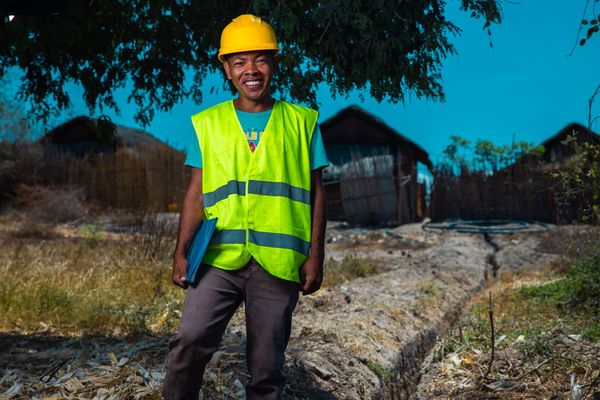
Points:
x=257 y=187
x=262 y=199
x=268 y=239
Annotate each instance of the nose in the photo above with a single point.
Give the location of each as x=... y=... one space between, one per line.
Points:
x=251 y=68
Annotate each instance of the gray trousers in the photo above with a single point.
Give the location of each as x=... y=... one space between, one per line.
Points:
x=208 y=307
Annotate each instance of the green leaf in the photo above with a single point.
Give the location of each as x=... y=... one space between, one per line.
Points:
x=149 y=47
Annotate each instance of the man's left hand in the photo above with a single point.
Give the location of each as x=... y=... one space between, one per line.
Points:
x=311 y=276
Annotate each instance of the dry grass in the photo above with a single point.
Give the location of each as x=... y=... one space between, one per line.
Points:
x=55 y=205
x=83 y=279
x=85 y=284
x=351 y=267
x=427 y=296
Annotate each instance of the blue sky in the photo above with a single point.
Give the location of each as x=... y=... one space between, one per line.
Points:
x=524 y=86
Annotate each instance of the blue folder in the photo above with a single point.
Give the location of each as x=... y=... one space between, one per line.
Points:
x=198 y=248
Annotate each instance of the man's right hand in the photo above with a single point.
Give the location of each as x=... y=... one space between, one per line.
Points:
x=191 y=211
x=180 y=265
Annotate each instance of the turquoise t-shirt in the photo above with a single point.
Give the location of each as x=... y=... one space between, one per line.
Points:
x=254 y=125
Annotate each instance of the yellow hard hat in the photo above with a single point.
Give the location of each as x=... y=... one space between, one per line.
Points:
x=247 y=33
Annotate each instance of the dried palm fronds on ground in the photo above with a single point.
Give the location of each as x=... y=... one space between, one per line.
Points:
x=38 y=366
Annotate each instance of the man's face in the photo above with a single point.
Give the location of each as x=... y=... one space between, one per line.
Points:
x=251 y=74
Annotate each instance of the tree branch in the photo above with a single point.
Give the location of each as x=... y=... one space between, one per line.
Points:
x=492 y=338
x=587 y=2
x=590 y=106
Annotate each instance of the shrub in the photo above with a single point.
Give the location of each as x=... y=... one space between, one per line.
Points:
x=155 y=235
x=45 y=204
x=580 y=179
x=584 y=279
x=19 y=163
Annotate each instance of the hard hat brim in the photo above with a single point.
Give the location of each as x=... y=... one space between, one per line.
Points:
x=232 y=50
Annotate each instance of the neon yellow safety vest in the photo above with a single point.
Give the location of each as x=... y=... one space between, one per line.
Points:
x=261 y=199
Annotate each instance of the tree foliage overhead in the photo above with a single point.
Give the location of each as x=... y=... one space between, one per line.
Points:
x=389 y=47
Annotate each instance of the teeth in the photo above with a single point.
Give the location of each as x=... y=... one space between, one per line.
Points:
x=252 y=83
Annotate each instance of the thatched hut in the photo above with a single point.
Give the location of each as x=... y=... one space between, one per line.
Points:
x=84 y=135
x=377 y=179
x=556 y=151
x=116 y=165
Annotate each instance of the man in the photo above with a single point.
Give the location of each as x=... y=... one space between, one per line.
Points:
x=256 y=166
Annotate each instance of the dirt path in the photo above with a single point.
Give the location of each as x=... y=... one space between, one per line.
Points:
x=365 y=339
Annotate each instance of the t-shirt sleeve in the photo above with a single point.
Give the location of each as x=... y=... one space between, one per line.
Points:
x=193 y=154
x=318 y=157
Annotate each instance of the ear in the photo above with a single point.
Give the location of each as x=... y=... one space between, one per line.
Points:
x=227 y=69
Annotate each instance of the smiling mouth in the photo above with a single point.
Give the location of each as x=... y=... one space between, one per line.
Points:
x=253 y=84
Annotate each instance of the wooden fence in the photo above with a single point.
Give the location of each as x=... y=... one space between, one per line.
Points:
x=516 y=192
x=147 y=178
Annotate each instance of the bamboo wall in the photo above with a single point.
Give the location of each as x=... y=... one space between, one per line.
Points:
x=148 y=178
x=517 y=192
x=365 y=192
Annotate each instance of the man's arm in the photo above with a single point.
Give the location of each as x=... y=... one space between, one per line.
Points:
x=191 y=216
x=311 y=273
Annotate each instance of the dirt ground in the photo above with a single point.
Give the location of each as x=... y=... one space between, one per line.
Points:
x=364 y=339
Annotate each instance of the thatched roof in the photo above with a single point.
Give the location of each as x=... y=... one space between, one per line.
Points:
x=574 y=127
x=379 y=133
x=555 y=152
x=82 y=135
x=83 y=126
